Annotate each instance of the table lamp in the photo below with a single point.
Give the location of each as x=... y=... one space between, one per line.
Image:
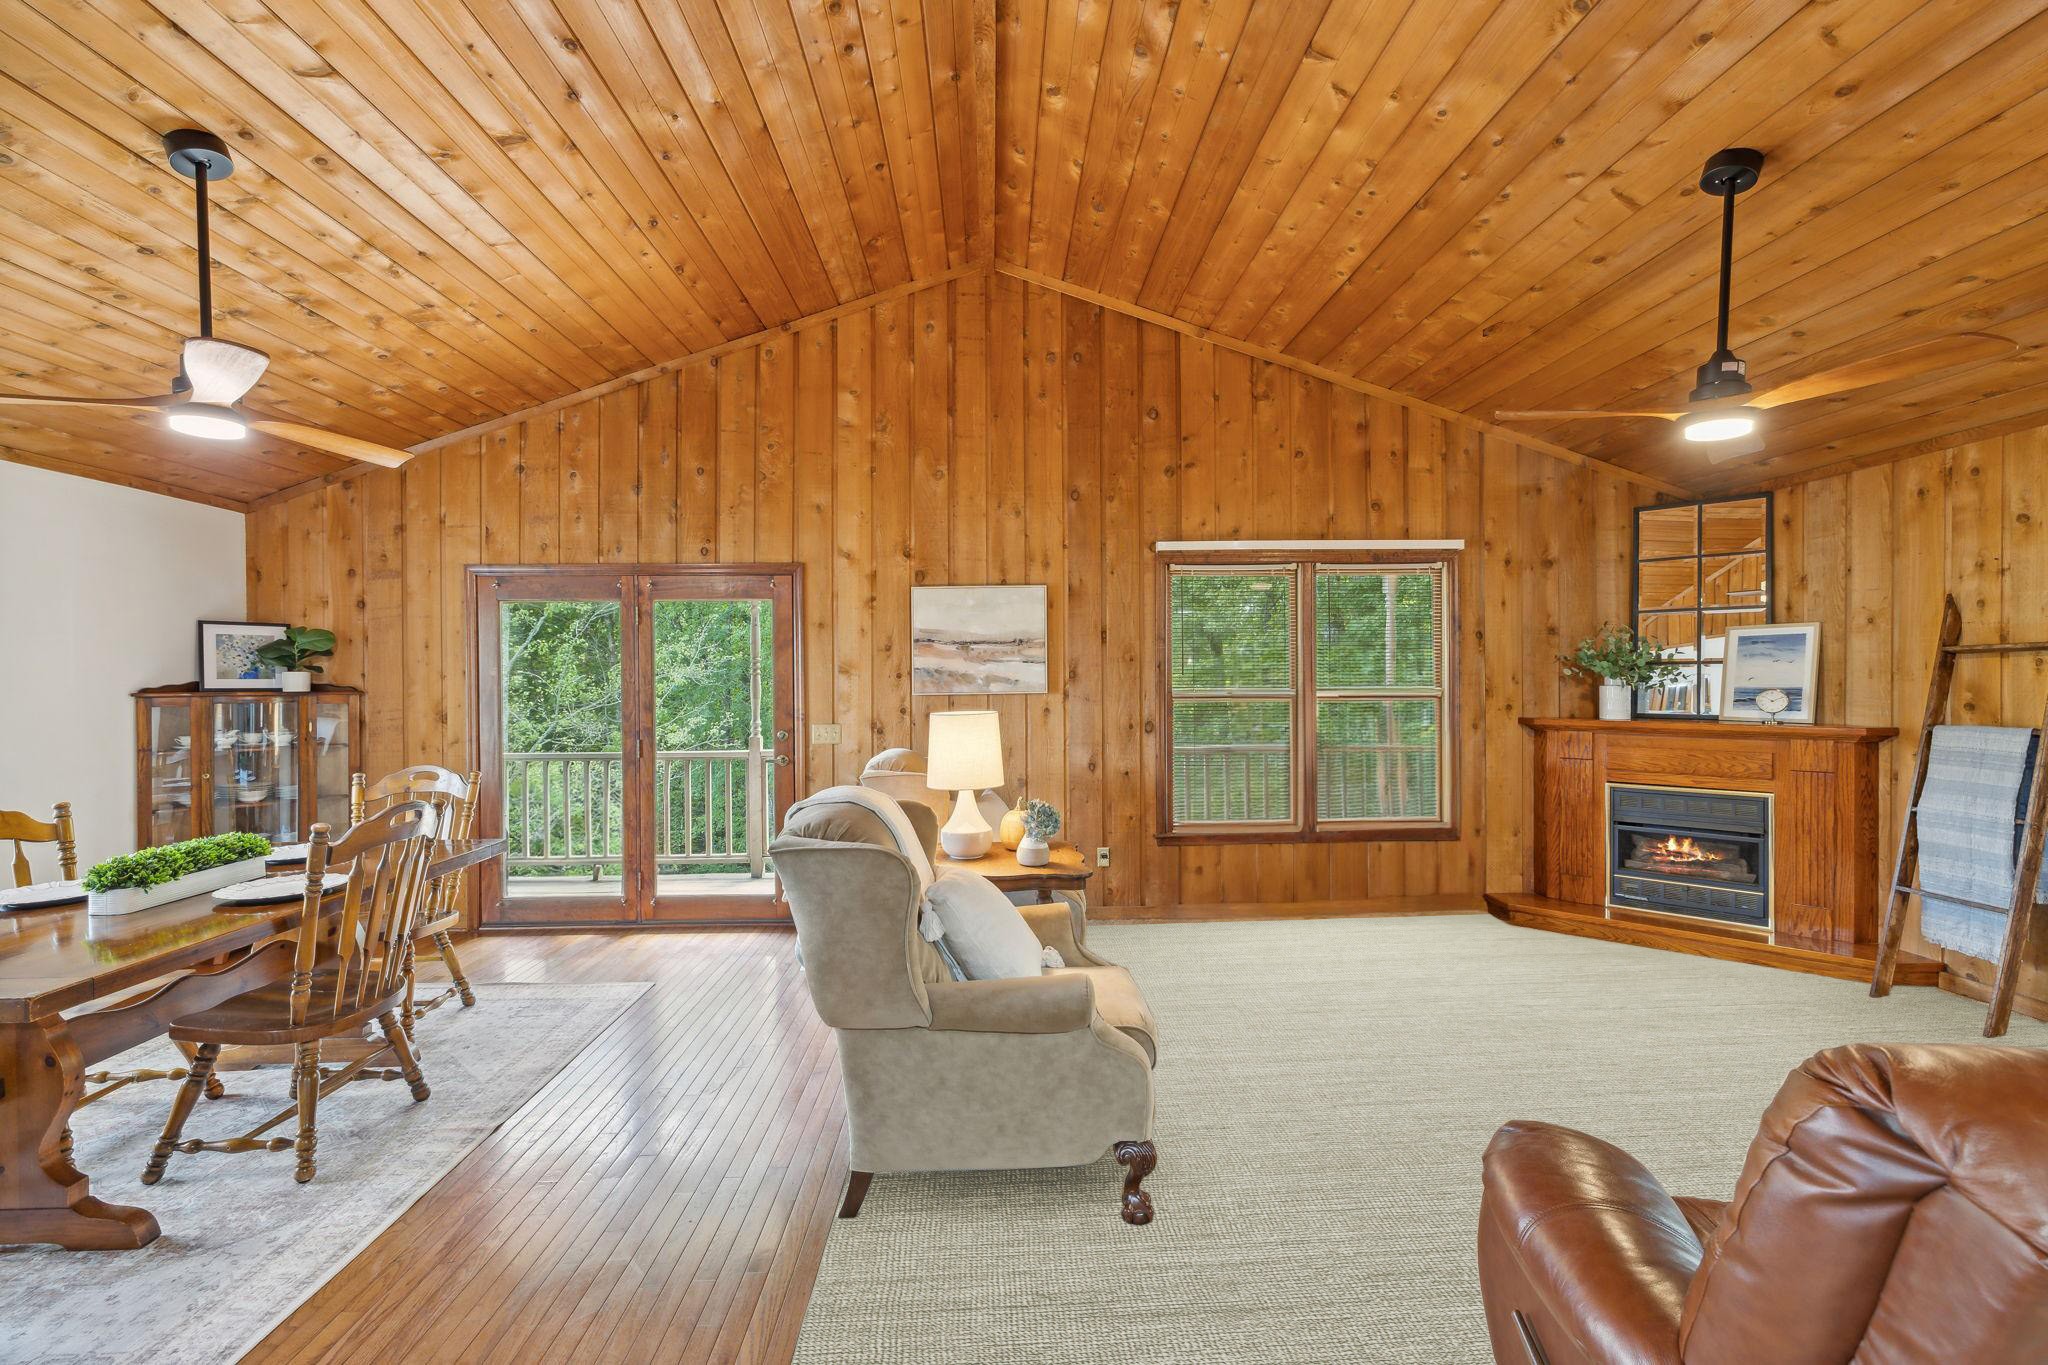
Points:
x=964 y=753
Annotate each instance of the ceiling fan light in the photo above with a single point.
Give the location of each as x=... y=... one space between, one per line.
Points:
x=207 y=421
x=1718 y=426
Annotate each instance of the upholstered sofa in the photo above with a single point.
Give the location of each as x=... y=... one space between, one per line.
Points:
x=1893 y=1207
x=946 y=1075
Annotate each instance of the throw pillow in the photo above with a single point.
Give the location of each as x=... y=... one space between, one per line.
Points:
x=988 y=938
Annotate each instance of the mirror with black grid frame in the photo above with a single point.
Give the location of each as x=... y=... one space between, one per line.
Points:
x=1701 y=568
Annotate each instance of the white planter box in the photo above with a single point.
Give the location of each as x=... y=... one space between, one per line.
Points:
x=129 y=899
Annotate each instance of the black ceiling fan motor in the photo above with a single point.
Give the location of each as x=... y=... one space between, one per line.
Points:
x=1728 y=173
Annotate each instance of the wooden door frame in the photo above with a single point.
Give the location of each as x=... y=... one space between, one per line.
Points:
x=783 y=585
x=486 y=722
x=568 y=583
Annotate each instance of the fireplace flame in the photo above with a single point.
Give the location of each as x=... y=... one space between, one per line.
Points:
x=1680 y=849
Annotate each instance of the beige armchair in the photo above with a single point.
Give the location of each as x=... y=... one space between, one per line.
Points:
x=945 y=1075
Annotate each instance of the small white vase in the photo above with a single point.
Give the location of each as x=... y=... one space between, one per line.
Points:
x=1033 y=852
x=291 y=681
x=1615 y=700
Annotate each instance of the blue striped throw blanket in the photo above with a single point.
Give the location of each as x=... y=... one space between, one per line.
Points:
x=1970 y=812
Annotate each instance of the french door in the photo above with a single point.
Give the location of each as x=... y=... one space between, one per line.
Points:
x=636 y=730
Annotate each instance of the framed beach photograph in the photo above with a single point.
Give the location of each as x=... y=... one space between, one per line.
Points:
x=1769 y=674
x=966 y=640
x=227 y=654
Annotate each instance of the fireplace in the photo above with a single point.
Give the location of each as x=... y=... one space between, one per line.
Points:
x=1701 y=853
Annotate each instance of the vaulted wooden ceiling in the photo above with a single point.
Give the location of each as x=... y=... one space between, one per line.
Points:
x=446 y=210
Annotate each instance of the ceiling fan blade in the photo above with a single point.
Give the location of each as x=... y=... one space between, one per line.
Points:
x=1908 y=362
x=1578 y=415
x=332 y=442
x=220 y=371
x=122 y=404
x=1721 y=452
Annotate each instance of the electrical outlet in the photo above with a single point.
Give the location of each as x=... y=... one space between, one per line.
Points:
x=1102 y=857
x=824 y=734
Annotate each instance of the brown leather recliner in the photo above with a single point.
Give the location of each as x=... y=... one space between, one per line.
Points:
x=1893 y=1208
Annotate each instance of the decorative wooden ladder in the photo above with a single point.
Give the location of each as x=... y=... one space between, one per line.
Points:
x=2034 y=832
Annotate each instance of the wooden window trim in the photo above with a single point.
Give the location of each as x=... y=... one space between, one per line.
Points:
x=1304 y=828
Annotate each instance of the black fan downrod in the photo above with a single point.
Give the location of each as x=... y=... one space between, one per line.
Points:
x=1728 y=173
x=202 y=158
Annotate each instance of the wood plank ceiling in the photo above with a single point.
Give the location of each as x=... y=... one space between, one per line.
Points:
x=446 y=210
x=449 y=210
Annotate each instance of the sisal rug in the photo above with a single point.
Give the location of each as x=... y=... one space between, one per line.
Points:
x=1325 y=1090
x=243 y=1244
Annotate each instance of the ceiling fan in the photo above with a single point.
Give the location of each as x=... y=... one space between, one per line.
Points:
x=1724 y=412
x=205 y=398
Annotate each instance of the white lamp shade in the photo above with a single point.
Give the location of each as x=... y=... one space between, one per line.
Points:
x=964 y=749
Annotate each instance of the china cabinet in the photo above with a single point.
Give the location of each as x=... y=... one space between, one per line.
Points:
x=213 y=761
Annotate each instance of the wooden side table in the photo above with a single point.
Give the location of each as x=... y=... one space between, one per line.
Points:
x=1068 y=870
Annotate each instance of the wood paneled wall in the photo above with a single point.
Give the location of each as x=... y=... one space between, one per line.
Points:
x=985 y=430
x=1869 y=555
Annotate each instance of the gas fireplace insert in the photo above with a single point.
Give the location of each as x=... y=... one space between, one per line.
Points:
x=1689 y=852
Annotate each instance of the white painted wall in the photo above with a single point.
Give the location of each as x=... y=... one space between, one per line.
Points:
x=101 y=588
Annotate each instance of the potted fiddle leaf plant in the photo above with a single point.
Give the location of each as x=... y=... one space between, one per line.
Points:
x=290 y=653
x=1623 y=661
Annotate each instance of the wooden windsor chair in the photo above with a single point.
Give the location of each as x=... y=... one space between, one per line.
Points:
x=334 y=989
x=24 y=828
x=454 y=796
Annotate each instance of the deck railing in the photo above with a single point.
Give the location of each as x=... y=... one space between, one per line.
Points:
x=565 y=810
x=1249 y=783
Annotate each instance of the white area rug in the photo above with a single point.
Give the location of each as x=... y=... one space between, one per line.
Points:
x=1326 y=1089
x=243 y=1244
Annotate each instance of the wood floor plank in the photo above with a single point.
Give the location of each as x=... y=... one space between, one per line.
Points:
x=665 y=1198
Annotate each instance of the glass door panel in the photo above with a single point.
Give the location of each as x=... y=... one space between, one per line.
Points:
x=713 y=769
x=561 y=706
x=173 y=773
x=256 y=768
x=719 y=667
x=332 y=762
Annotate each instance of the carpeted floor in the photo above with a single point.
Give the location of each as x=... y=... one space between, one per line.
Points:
x=243 y=1244
x=1325 y=1091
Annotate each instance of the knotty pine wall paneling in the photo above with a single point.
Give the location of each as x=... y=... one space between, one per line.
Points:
x=986 y=430
x=1869 y=555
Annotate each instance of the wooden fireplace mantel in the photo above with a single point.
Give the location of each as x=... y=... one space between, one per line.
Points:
x=1712 y=731
x=1826 y=874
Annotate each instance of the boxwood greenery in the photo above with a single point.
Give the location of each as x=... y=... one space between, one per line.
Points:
x=155 y=866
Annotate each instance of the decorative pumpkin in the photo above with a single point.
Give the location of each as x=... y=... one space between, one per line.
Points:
x=1010 y=832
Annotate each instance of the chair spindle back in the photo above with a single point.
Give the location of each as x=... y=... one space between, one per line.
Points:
x=451 y=794
x=24 y=828
x=387 y=854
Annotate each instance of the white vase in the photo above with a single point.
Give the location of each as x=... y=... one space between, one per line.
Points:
x=295 y=681
x=1615 y=700
x=1033 y=852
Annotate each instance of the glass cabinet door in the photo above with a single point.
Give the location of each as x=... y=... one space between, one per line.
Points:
x=172 y=773
x=332 y=764
x=256 y=768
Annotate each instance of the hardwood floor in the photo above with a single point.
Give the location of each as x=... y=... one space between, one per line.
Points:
x=665 y=1198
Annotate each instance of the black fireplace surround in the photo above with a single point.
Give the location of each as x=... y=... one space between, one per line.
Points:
x=1700 y=853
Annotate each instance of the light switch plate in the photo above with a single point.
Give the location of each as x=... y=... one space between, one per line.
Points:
x=1102 y=857
x=824 y=734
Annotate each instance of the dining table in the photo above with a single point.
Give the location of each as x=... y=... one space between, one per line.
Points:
x=77 y=989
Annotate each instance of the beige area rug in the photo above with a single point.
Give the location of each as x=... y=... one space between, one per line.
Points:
x=243 y=1244
x=1325 y=1090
